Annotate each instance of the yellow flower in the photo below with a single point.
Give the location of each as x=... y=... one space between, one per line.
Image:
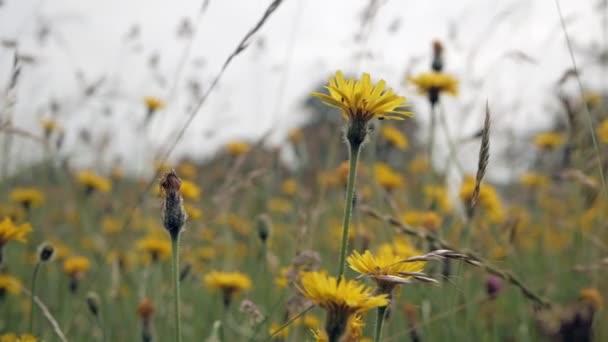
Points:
x=419 y=165
x=12 y=232
x=279 y=206
x=110 y=226
x=76 y=266
x=593 y=297
x=9 y=284
x=153 y=103
x=289 y=187
x=237 y=148
x=428 y=82
x=190 y=191
x=49 y=126
x=229 y=283
x=283 y=334
x=548 y=141
x=534 y=180
x=12 y=337
x=363 y=100
x=156 y=248
x=15 y=213
x=295 y=135
x=395 y=137
x=92 y=181
x=602 y=131
x=187 y=170
x=438 y=196
x=592 y=99
x=354 y=332
x=193 y=212
x=387 y=177
x=27 y=197
x=319 y=335
x=386 y=269
x=488 y=199
x=427 y=219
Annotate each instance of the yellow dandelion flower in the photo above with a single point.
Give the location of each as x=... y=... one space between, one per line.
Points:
x=153 y=103
x=76 y=266
x=12 y=337
x=602 y=131
x=193 y=212
x=310 y=321
x=237 y=148
x=289 y=187
x=362 y=100
x=9 y=284
x=27 y=197
x=190 y=191
x=156 y=248
x=438 y=196
x=387 y=177
x=427 y=219
x=428 y=83
x=110 y=226
x=488 y=198
x=12 y=232
x=534 y=180
x=229 y=283
x=354 y=332
x=386 y=269
x=395 y=137
x=549 y=141
x=593 y=297
x=93 y=182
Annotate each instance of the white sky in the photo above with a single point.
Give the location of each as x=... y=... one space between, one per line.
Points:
x=304 y=41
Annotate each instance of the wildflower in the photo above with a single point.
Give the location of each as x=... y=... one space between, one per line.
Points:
x=12 y=232
x=437 y=196
x=153 y=104
x=387 y=177
x=534 y=180
x=10 y=285
x=283 y=334
x=488 y=199
x=93 y=182
x=361 y=101
x=145 y=310
x=279 y=206
x=45 y=252
x=427 y=219
x=173 y=213
x=156 y=248
x=341 y=299
x=75 y=267
x=295 y=135
x=602 y=131
x=395 y=137
x=548 y=141
x=419 y=165
x=289 y=187
x=319 y=335
x=110 y=226
x=433 y=84
x=593 y=297
x=592 y=99
x=190 y=190
x=49 y=126
x=230 y=283
x=187 y=170
x=236 y=148
x=27 y=197
x=386 y=269
x=264 y=226
x=192 y=212
x=493 y=286
x=12 y=337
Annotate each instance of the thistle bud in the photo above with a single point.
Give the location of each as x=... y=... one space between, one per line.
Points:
x=45 y=252
x=493 y=286
x=93 y=303
x=264 y=226
x=437 y=63
x=173 y=213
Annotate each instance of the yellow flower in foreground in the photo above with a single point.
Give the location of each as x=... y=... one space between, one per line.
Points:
x=190 y=191
x=602 y=131
x=386 y=269
x=237 y=148
x=27 y=197
x=9 y=284
x=387 y=177
x=93 y=182
x=12 y=232
x=428 y=82
x=548 y=141
x=153 y=103
x=362 y=100
x=341 y=299
x=395 y=137
x=12 y=337
x=76 y=266
x=156 y=248
x=229 y=283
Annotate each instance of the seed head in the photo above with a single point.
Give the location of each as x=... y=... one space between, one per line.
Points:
x=173 y=212
x=45 y=252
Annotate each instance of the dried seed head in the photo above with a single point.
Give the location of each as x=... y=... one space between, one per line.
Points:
x=45 y=252
x=173 y=212
x=93 y=303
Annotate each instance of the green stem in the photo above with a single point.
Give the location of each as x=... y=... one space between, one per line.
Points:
x=176 y=295
x=379 y=323
x=33 y=292
x=348 y=204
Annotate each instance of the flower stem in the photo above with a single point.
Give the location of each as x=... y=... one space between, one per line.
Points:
x=176 y=295
x=33 y=292
x=348 y=205
x=379 y=323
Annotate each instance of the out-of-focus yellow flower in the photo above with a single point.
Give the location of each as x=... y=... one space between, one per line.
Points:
x=156 y=248
x=15 y=213
x=592 y=99
x=602 y=131
x=387 y=177
x=153 y=103
x=549 y=140
x=193 y=212
x=281 y=280
x=279 y=206
x=395 y=137
x=12 y=232
x=27 y=197
x=283 y=334
x=427 y=219
x=438 y=196
x=76 y=266
x=93 y=182
x=419 y=165
x=187 y=170
x=12 y=337
x=289 y=187
x=229 y=283
x=428 y=82
x=236 y=148
x=319 y=335
x=362 y=100
x=49 y=126
x=190 y=191
x=592 y=297
x=110 y=226
x=534 y=180
x=488 y=199
x=9 y=284
x=295 y=135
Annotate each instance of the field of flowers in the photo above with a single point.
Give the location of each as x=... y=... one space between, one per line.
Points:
x=359 y=237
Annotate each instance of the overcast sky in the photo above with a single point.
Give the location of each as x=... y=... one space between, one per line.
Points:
x=300 y=45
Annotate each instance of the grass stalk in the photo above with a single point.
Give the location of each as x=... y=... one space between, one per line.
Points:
x=176 y=292
x=348 y=204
